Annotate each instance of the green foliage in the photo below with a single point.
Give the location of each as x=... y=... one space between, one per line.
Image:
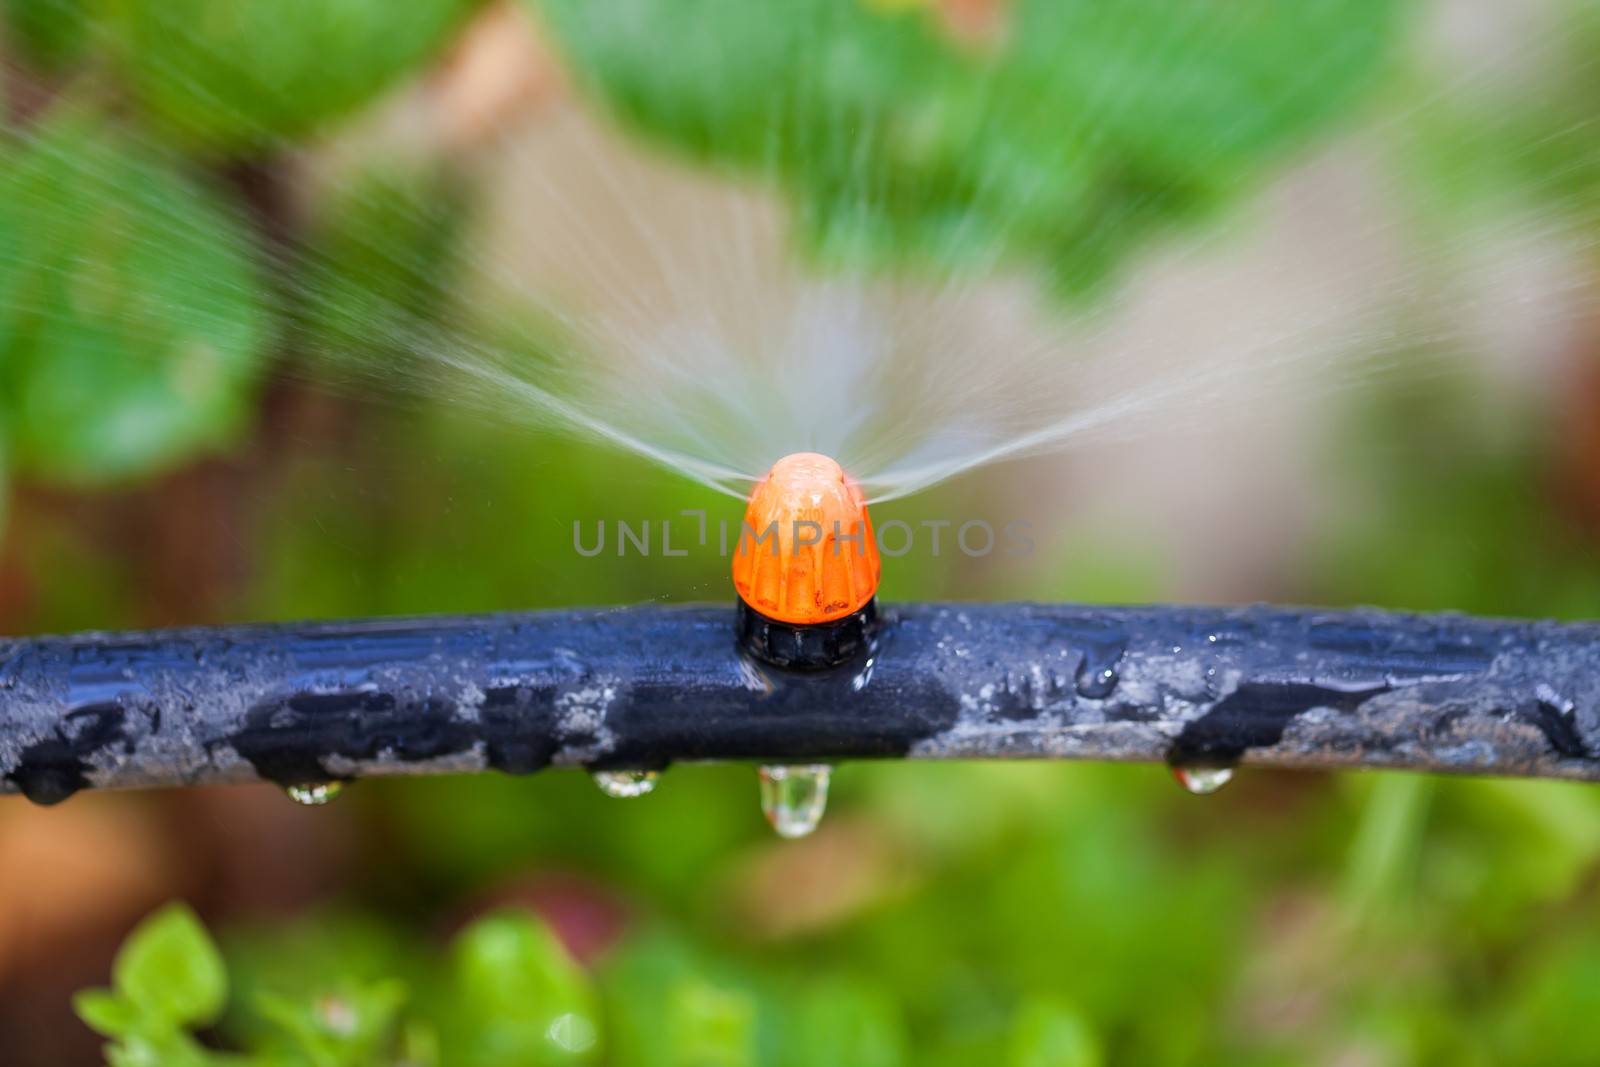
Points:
x=239 y=76
x=132 y=326
x=1467 y=468
x=1532 y=140
x=170 y=971
x=347 y=1026
x=1084 y=130
x=134 y=317
x=1052 y=1035
x=509 y=996
x=167 y=980
x=138 y=305
x=845 y=1020
x=708 y=1026
x=50 y=33
x=520 y=1001
x=377 y=272
x=992 y=952
x=512 y=997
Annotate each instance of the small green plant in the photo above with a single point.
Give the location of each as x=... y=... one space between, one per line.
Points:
x=168 y=979
x=506 y=994
x=510 y=996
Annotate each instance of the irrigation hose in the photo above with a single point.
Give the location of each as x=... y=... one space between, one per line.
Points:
x=641 y=688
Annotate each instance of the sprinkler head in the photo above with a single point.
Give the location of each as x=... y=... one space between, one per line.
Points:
x=806 y=567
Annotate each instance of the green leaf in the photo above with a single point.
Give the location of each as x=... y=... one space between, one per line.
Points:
x=419 y=1045
x=845 y=1022
x=1381 y=870
x=106 y=1013
x=236 y=77
x=50 y=33
x=137 y=1052
x=710 y=1025
x=172 y=1050
x=380 y=267
x=170 y=969
x=349 y=1027
x=521 y=998
x=1085 y=128
x=1050 y=1034
x=131 y=331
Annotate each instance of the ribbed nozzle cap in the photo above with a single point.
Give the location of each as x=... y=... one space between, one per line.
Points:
x=806 y=553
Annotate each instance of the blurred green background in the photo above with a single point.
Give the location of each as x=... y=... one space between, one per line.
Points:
x=200 y=421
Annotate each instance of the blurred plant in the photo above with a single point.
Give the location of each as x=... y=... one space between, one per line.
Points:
x=236 y=78
x=131 y=326
x=1467 y=522
x=150 y=268
x=1530 y=141
x=168 y=979
x=380 y=259
x=239 y=76
x=509 y=996
x=1064 y=138
x=148 y=271
x=51 y=33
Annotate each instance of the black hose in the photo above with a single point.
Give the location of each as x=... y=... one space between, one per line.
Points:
x=645 y=687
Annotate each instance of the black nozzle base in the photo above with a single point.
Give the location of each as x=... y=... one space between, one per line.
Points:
x=807 y=646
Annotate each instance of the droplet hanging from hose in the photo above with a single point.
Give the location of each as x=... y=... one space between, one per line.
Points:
x=794 y=798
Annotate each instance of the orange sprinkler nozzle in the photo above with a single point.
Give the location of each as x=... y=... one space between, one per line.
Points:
x=806 y=553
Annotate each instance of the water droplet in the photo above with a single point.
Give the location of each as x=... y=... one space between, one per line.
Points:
x=337 y=1015
x=1203 y=781
x=859 y=682
x=1097 y=683
x=316 y=794
x=572 y=1032
x=1096 y=677
x=794 y=798
x=47 y=785
x=625 y=783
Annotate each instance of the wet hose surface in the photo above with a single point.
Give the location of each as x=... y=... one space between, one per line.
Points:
x=649 y=686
